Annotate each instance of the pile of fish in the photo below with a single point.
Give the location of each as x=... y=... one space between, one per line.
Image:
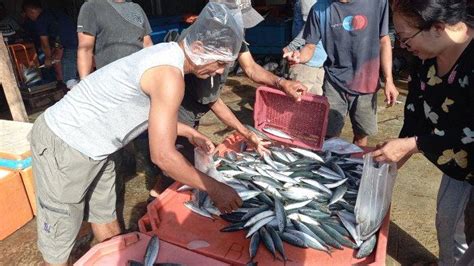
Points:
x=293 y=195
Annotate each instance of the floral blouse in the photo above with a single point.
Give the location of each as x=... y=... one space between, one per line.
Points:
x=440 y=112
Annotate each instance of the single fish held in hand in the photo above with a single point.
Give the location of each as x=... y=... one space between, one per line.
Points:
x=277 y=132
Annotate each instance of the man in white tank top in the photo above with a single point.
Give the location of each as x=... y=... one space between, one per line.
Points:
x=72 y=141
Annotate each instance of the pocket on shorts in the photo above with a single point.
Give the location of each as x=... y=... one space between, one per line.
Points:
x=50 y=218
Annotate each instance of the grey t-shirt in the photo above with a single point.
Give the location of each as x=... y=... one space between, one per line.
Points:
x=119 y=28
x=108 y=109
x=199 y=94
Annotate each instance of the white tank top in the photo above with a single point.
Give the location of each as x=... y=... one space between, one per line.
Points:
x=108 y=109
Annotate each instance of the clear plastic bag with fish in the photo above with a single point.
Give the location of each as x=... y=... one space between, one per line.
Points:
x=374 y=197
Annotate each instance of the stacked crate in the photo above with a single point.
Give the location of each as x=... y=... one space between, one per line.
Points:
x=17 y=194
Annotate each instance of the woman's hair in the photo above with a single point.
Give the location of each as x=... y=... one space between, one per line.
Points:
x=423 y=14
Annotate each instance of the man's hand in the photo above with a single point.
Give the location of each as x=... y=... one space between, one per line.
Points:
x=257 y=143
x=395 y=150
x=203 y=142
x=224 y=197
x=293 y=89
x=391 y=93
x=293 y=57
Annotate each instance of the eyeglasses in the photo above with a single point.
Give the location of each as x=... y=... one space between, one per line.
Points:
x=405 y=41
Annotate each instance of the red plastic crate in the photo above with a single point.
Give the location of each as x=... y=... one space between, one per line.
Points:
x=305 y=121
x=168 y=218
x=132 y=246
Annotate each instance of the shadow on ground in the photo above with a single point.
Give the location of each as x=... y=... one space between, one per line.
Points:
x=405 y=249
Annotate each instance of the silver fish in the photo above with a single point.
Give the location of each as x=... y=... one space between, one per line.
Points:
x=246 y=195
x=297 y=205
x=259 y=217
x=309 y=240
x=317 y=185
x=280 y=215
x=257 y=132
x=282 y=178
x=280 y=156
x=277 y=242
x=349 y=225
x=190 y=205
x=307 y=153
x=367 y=247
x=336 y=184
x=152 y=250
x=338 y=194
x=267 y=240
x=277 y=132
x=253 y=247
x=258 y=225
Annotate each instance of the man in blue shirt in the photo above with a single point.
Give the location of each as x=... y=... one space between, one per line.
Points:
x=311 y=74
x=58 y=38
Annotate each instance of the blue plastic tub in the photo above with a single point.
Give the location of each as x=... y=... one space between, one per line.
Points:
x=269 y=37
x=162 y=25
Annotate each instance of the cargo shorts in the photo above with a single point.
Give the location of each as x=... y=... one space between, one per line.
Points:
x=362 y=110
x=311 y=77
x=66 y=181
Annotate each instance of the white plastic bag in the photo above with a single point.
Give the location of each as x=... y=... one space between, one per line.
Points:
x=204 y=162
x=374 y=197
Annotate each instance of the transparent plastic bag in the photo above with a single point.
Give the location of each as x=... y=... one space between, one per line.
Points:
x=374 y=197
x=204 y=162
x=340 y=146
x=217 y=35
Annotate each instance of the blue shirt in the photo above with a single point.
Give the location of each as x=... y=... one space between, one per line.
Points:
x=319 y=56
x=57 y=24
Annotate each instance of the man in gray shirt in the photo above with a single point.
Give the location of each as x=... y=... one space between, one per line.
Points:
x=109 y=30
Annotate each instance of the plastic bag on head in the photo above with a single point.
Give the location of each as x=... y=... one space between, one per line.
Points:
x=374 y=197
x=219 y=32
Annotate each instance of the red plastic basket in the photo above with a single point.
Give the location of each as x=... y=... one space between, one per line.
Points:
x=305 y=121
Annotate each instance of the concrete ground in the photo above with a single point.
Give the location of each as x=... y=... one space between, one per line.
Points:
x=412 y=238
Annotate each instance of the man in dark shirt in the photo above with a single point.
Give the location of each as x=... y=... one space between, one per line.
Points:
x=203 y=95
x=109 y=30
x=355 y=37
x=57 y=37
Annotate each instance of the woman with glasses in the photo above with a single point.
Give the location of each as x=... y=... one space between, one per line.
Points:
x=439 y=111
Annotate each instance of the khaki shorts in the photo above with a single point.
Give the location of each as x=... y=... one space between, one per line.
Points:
x=66 y=181
x=311 y=77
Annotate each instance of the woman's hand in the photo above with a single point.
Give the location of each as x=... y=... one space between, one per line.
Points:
x=395 y=150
